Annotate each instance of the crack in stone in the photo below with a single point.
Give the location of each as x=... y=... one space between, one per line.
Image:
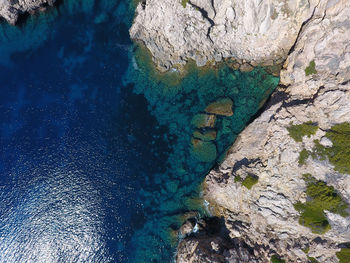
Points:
x=205 y=15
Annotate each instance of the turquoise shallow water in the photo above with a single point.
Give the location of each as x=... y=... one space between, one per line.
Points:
x=97 y=160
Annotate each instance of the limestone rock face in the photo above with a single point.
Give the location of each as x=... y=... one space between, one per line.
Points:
x=211 y=244
x=11 y=9
x=265 y=216
x=205 y=30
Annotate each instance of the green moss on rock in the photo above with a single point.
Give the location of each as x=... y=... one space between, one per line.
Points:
x=184 y=3
x=320 y=197
x=339 y=153
x=344 y=255
x=250 y=180
x=297 y=132
x=311 y=69
x=303 y=155
x=312 y=260
x=237 y=179
x=277 y=259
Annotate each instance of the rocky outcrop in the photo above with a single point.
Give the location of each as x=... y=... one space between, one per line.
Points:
x=12 y=9
x=260 y=32
x=315 y=91
x=209 y=242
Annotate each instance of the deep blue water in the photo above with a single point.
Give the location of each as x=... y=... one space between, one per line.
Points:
x=95 y=152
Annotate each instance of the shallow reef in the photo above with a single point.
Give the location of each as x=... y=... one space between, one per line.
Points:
x=204 y=110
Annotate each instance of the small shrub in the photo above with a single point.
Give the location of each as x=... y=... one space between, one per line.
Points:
x=320 y=197
x=249 y=181
x=312 y=260
x=184 y=3
x=276 y=259
x=311 y=69
x=303 y=155
x=237 y=179
x=306 y=250
x=297 y=132
x=344 y=255
x=339 y=153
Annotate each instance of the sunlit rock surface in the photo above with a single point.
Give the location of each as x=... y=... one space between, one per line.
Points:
x=254 y=31
x=10 y=10
x=265 y=216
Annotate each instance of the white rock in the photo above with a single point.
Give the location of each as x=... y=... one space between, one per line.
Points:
x=259 y=31
x=10 y=10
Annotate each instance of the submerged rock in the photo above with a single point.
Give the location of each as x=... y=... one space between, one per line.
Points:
x=11 y=10
x=206 y=135
x=222 y=107
x=203 y=120
x=204 y=151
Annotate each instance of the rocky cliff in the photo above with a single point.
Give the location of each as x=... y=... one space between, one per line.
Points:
x=283 y=190
x=259 y=32
x=12 y=9
x=297 y=151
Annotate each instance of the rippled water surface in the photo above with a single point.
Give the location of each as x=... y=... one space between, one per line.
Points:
x=96 y=159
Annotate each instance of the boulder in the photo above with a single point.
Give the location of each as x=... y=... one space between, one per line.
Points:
x=203 y=120
x=222 y=107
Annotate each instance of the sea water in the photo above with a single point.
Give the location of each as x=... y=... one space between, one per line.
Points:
x=96 y=155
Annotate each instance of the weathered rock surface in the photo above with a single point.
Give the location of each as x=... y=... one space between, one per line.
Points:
x=264 y=216
x=11 y=9
x=205 y=30
x=211 y=244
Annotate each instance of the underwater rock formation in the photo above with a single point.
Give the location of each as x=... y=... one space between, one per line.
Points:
x=299 y=148
x=222 y=107
x=12 y=9
x=258 y=32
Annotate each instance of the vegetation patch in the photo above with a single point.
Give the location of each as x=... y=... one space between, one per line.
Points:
x=237 y=179
x=311 y=69
x=184 y=3
x=344 y=255
x=320 y=197
x=312 y=260
x=277 y=259
x=297 y=132
x=303 y=155
x=250 y=180
x=339 y=153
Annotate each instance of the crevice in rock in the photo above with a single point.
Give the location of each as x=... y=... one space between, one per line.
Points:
x=205 y=15
x=244 y=162
x=301 y=29
x=287 y=104
x=345 y=82
x=213 y=6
